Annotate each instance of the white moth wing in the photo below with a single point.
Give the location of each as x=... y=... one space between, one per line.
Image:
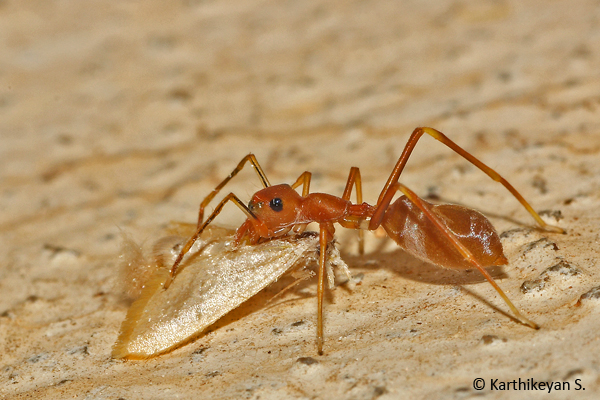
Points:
x=209 y=284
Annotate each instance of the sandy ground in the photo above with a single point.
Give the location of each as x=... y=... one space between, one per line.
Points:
x=123 y=115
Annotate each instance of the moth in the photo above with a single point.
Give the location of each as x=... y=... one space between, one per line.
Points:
x=215 y=278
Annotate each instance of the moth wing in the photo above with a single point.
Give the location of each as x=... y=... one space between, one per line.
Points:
x=209 y=285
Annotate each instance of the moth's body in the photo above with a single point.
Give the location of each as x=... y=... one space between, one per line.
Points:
x=217 y=279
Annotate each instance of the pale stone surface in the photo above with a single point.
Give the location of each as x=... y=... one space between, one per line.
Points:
x=122 y=115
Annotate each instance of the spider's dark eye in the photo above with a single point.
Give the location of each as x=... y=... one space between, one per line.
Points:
x=276 y=204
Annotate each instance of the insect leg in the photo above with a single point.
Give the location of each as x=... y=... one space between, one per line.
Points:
x=321 y=287
x=261 y=175
x=384 y=201
x=355 y=180
x=188 y=245
x=326 y=232
x=303 y=180
x=464 y=251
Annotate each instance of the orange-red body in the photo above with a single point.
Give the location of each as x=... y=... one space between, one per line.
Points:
x=447 y=235
x=278 y=209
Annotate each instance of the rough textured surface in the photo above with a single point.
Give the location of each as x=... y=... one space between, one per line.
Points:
x=122 y=115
